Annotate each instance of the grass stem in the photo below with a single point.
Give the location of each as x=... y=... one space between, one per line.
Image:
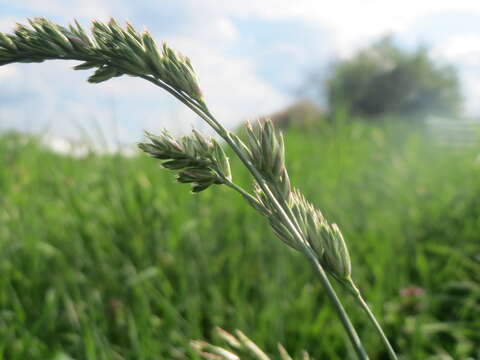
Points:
x=337 y=305
x=346 y=322
x=363 y=304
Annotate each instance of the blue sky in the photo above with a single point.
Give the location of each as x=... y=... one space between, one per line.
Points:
x=251 y=57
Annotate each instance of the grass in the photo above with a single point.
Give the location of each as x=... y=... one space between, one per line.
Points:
x=115 y=51
x=106 y=257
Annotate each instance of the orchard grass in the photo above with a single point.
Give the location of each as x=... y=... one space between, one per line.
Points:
x=114 y=51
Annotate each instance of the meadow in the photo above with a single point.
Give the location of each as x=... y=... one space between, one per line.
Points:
x=106 y=257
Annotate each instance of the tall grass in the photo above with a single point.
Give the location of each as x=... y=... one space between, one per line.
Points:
x=114 y=51
x=106 y=258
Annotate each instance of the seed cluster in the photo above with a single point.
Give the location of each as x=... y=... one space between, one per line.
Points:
x=111 y=50
x=265 y=148
x=197 y=159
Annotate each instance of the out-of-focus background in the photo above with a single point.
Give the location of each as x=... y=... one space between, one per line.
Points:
x=103 y=256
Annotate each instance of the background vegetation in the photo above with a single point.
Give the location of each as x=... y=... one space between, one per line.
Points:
x=105 y=257
x=386 y=79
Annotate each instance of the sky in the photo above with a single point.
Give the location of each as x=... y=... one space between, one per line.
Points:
x=252 y=57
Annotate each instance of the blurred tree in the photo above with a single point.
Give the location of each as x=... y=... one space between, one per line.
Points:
x=384 y=79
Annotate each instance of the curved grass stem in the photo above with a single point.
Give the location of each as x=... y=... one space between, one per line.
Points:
x=251 y=199
x=342 y=314
x=209 y=119
x=363 y=304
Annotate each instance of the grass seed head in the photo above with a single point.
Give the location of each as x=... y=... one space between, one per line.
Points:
x=336 y=258
x=111 y=49
x=198 y=160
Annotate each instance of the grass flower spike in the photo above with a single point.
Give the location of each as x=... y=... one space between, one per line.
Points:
x=112 y=51
x=196 y=159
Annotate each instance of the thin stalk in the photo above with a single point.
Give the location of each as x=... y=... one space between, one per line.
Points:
x=347 y=324
x=203 y=113
x=373 y=320
x=242 y=191
x=195 y=107
x=354 y=338
x=351 y=332
x=286 y=207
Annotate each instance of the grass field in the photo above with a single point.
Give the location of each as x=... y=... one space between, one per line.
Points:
x=105 y=257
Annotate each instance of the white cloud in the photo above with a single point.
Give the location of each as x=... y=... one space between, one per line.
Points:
x=227 y=29
x=472 y=90
x=464 y=52
x=73 y=9
x=7 y=23
x=7 y=72
x=340 y=11
x=230 y=84
x=214 y=29
x=464 y=48
x=352 y=23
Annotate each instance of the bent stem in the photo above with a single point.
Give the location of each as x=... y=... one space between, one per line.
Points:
x=363 y=304
x=347 y=324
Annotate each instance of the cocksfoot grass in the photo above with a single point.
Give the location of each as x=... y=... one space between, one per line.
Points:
x=201 y=161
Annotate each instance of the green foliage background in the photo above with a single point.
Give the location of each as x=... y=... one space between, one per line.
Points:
x=105 y=257
x=386 y=79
